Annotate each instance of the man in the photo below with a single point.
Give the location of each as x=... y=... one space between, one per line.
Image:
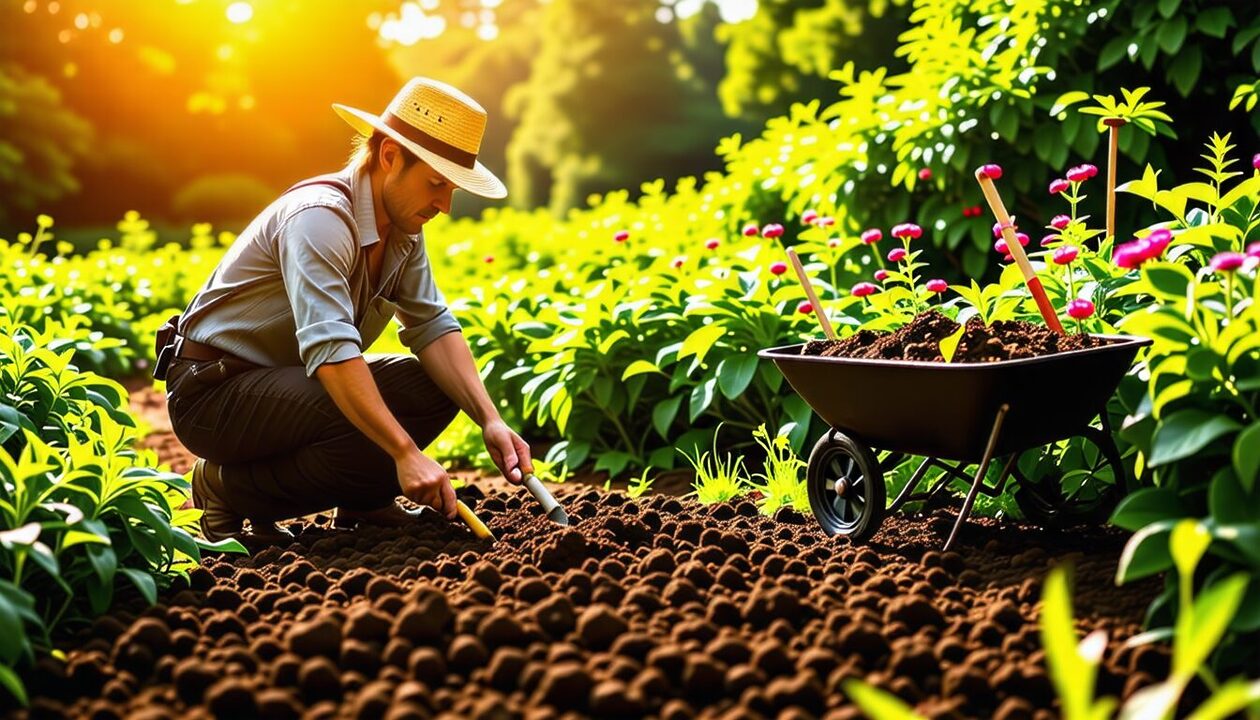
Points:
x=268 y=383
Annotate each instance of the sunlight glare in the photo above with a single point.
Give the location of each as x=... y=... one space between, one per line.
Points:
x=240 y=12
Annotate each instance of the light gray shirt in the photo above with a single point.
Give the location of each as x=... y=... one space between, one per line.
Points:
x=293 y=289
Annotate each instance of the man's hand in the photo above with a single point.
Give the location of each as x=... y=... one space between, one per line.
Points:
x=509 y=452
x=425 y=482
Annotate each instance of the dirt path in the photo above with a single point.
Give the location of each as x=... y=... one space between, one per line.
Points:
x=657 y=607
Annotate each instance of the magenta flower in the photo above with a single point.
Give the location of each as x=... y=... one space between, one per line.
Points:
x=712 y=243
x=750 y=230
x=826 y=221
x=805 y=308
x=897 y=255
x=1000 y=247
x=622 y=236
x=1022 y=238
x=773 y=230
x=1081 y=173
x=1079 y=309
x=1058 y=222
x=1255 y=161
x=678 y=262
x=1065 y=254
x=1058 y=185
x=966 y=211
x=1008 y=258
x=1158 y=241
x=1049 y=240
x=925 y=174
x=809 y=217
x=991 y=171
x=1131 y=255
x=1253 y=250
x=863 y=289
x=997 y=227
x=833 y=243
x=937 y=285
x=907 y=231
x=1227 y=262
x=778 y=268
x=881 y=275
x=872 y=236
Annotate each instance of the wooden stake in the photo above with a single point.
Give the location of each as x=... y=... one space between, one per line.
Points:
x=1113 y=149
x=1017 y=251
x=813 y=297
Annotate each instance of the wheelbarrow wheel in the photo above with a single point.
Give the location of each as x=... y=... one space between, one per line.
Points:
x=1077 y=481
x=846 y=486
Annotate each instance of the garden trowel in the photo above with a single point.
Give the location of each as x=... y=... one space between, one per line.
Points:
x=550 y=507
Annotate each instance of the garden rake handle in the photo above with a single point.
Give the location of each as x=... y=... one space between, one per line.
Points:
x=472 y=521
x=1017 y=251
x=809 y=293
x=551 y=508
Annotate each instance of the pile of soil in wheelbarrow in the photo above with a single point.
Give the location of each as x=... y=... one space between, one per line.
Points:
x=920 y=339
x=650 y=607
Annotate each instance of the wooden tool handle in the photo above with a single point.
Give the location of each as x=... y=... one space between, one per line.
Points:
x=813 y=297
x=540 y=493
x=1017 y=251
x=472 y=521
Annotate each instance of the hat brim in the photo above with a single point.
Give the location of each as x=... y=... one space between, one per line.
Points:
x=477 y=180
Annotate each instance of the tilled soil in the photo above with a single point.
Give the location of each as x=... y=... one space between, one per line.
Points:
x=655 y=607
x=920 y=339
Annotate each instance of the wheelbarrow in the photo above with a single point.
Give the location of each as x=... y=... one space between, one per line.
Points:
x=1035 y=416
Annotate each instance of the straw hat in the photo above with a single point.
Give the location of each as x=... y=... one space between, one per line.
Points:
x=441 y=125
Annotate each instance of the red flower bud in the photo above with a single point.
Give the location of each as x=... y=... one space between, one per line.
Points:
x=805 y=308
x=1080 y=309
x=881 y=274
x=809 y=217
x=778 y=268
x=863 y=289
x=622 y=235
x=1000 y=246
x=1255 y=161
x=991 y=171
x=489 y=259
x=1081 y=173
x=772 y=231
x=678 y=262
x=712 y=243
x=897 y=255
x=937 y=285
x=833 y=243
x=826 y=221
x=1058 y=222
x=872 y=236
x=1049 y=240
x=1158 y=241
x=1058 y=185
x=1227 y=262
x=1253 y=250
x=750 y=230
x=907 y=230
x=925 y=174
x=1065 y=254
x=1022 y=238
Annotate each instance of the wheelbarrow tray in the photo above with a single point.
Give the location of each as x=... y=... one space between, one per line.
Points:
x=947 y=410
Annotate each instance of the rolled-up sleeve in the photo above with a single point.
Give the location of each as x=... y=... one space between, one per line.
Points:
x=317 y=250
x=421 y=308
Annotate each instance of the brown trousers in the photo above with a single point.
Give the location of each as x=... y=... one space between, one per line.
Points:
x=285 y=448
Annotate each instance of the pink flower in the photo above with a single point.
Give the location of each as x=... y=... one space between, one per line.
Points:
x=1000 y=247
x=937 y=285
x=1008 y=258
x=712 y=243
x=778 y=268
x=907 y=230
x=1131 y=255
x=1079 y=309
x=1058 y=222
x=1022 y=238
x=1255 y=161
x=991 y=171
x=997 y=227
x=1253 y=250
x=1058 y=185
x=1049 y=240
x=1158 y=240
x=805 y=308
x=863 y=289
x=925 y=174
x=1227 y=262
x=678 y=262
x=1065 y=254
x=897 y=255
x=881 y=275
x=750 y=230
x=872 y=236
x=489 y=259
x=622 y=235
x=833 y=243
x=772 y=231
x=826 y=221
x=1081 y=173
x=809 y=217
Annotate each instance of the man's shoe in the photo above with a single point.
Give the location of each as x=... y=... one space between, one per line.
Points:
x=218 y=521
x=392 y=515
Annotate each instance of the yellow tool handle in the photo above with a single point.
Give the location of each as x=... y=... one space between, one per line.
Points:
x=472 y=521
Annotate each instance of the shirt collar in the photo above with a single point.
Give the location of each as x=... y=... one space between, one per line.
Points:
x=365 y=211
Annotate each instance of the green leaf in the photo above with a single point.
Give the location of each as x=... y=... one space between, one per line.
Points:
x=614 y=462
x=1169 y=281
x=1146 y=553
x=1186 y=432
x=1214 y=21
x=664 y=413
x=701 y=398
x=949 y=345
x=1213 y=611
x=700 y=341
x=1172 y=34
x=1168 y=7
x=1230 y=699
x=1247 y=456
x=10 y=681
x=735 y=373
x=144 y=583
x=1189 y=540
x=877 y=704
x=1068 y=99
x=639 y=367
x=1185 y=69
x=1145 y=506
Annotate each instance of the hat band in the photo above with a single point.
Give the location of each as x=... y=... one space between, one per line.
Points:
x=444 y=149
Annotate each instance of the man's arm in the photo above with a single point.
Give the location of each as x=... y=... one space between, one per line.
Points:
x=354 y=391
x=449 y=362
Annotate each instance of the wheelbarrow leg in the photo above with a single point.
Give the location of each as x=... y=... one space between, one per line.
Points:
x=979 y=478
x=911 y=484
